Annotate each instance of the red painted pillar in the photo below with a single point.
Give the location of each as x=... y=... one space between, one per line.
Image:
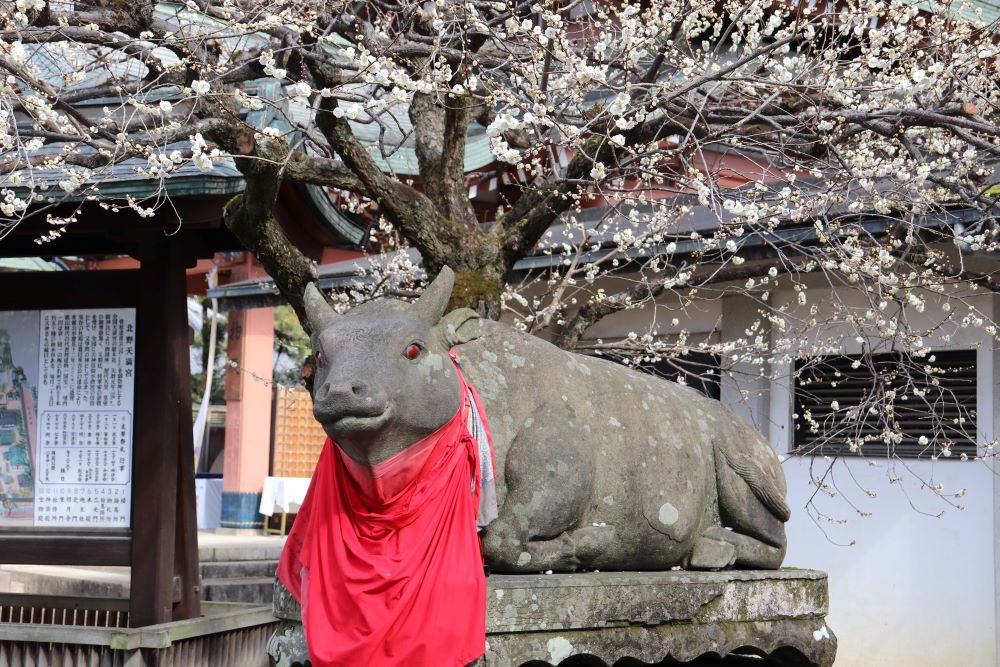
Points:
x=250 y=351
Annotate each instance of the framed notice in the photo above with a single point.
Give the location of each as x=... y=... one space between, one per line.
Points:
x=67 y=382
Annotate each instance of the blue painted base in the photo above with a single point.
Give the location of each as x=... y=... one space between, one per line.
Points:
x=241 y=510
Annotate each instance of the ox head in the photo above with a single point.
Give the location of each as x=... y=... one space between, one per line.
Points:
x=383 y=378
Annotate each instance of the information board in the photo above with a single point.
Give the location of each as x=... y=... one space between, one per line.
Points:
x=66 y=405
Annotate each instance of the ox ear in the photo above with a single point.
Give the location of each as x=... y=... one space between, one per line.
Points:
x=433 y=302
x=459 y=326
x=320 y=313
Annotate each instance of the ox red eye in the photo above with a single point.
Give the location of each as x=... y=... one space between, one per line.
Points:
x=320 y=360
x=412 y=351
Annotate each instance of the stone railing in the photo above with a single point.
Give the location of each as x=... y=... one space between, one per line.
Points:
x=82 y=632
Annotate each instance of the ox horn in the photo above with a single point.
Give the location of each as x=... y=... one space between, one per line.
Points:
x=434 y=301
x=319 y=312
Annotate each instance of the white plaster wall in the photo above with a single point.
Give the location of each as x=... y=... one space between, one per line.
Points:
x=914 y=589
x=698 y=320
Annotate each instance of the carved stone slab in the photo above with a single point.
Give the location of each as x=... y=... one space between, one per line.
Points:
x=648 y=616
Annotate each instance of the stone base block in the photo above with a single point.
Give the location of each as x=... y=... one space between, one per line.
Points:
x=653 y=617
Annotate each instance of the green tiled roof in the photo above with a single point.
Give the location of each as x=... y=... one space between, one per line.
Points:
x=27 y=264
x=988 y=11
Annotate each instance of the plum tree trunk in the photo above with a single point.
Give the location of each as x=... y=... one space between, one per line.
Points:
x=479 y=289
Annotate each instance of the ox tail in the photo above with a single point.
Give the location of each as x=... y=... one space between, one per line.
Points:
x=761 y=484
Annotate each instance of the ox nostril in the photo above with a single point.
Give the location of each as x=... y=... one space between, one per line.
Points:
x=349 y=398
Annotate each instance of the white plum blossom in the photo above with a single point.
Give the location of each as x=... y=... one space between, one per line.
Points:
x=299 y=90
x=834 y=174
x=201 y=159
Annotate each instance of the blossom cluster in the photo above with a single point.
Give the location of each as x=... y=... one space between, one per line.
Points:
x=832 y=164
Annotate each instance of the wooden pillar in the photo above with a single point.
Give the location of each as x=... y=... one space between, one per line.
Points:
x=186 y=563
x=163 y=529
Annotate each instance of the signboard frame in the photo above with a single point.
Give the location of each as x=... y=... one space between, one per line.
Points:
x=84 y=290
x=71 y=291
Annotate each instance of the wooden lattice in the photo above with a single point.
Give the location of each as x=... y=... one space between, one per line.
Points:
x=298 y=437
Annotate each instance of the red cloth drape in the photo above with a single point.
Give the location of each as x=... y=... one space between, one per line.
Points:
x=386 y=562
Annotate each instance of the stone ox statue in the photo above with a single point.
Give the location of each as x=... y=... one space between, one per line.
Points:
x=598 y=466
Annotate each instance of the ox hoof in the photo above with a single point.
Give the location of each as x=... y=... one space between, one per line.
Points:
x=712 y=554
x=592 y=542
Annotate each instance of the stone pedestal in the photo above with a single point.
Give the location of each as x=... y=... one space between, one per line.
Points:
x=647 y=616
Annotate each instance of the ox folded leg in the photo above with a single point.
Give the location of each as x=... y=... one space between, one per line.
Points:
x=568 y=552
x=547 y=491
x=711 y=553
x=718 y=548
x=507 y=549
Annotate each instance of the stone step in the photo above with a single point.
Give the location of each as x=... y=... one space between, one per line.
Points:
x=240 y=552
x=105 y=582
x=234 y=581
x=239 y=589
x=231 y=569
x=228 y=564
